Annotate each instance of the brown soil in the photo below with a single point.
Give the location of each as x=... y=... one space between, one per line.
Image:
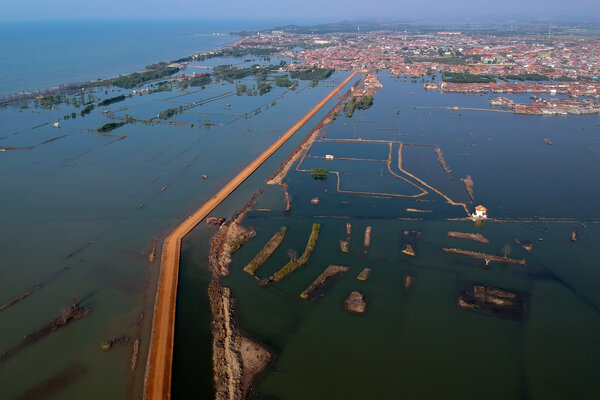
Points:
x=355 y=303
x=408 y=250
x=364 y=274
x=344 y=246
x=237 y=359
x=472 y=236
x=367 y=241
x=330 y=271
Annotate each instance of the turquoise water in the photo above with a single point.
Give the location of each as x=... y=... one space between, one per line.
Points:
x=417 y=343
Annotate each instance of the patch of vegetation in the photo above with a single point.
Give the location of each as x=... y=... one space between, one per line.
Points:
x=266 y=252
x=168 y=113
x=282 y=81
x=294 y=263
x=263 y=87
x=460 y=77
x=137 y=78
x=87 y=109
x=200 y=80
x=110 y=126
x=319 y=173
x=111 y=100
x=312 y=74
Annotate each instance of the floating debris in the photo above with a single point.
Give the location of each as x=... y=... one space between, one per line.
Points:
x=548 y=141
x=574 y=236
x=314 y=200
x=348 y=228
x=264 y=209
x=364 y=274
x=204 y=177
x=330 y=271
x=355 y=303
x=472 y=236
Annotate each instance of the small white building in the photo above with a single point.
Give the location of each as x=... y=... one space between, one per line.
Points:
x=480 y=212
x=56 y=125
x=328 y=157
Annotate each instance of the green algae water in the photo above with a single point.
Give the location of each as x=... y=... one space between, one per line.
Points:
x=414 y=341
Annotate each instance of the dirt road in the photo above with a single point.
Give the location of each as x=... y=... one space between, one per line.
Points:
x=158 y=369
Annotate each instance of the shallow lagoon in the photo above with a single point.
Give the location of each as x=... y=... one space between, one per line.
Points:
x=418 y=343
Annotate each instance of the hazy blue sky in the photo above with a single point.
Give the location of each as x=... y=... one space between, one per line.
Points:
x=332 y=10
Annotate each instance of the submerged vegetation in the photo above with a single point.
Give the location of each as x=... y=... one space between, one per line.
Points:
x=363 y=103
x=294 y=263
x=110 y=126
x=312 y=74
x=319 y=173
x=266 y=251
x=137 y=78
x=111 y=100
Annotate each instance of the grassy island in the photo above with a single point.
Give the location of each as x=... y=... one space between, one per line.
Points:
x=137 y=78
x=294 y=263
x=266 y=252
x=312 y=74
x=110 y=126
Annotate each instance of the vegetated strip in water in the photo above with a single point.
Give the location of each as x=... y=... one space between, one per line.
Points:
x=55 y=384
x=73 y=313
x=484 y=256
x=330 y=271
x=19 y=298
x=294 y=263
x=478 y=237
x=158 y=377
x=266 y=251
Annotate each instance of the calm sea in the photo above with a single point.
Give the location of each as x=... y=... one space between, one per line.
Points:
x=39 y=55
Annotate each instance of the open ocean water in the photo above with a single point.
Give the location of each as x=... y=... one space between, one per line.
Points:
x=41 y=54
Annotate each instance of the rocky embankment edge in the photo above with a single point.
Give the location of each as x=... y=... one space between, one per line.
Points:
x=237 y=359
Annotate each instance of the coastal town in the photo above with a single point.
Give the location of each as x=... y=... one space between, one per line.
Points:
x=466 y=63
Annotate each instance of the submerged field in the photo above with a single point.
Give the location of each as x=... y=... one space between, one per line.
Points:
x=86 y=210
x=414 y=340
x=82 y=211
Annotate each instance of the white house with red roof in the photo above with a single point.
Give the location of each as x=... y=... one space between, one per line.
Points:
x=480 y=212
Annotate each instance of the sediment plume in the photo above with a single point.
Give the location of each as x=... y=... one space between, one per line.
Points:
x=471 y=236
x=344 y=246
x=330 y=271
